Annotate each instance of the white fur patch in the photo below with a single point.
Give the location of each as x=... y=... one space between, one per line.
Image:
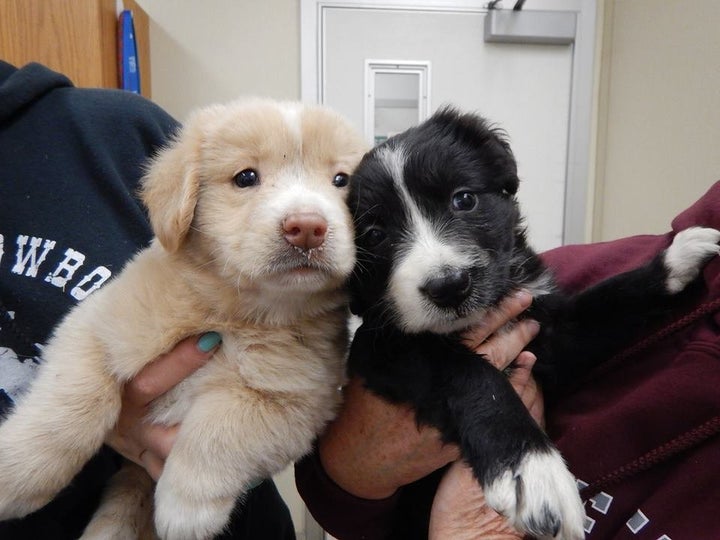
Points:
x=425 y=257
x=684 y=258
x=394 y=161
x=543 y=285
x=292 y=113
x=540 y=496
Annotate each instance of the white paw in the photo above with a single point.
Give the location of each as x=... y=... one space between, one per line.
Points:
x=685 y=257
x=540 y=497
x=177 y=518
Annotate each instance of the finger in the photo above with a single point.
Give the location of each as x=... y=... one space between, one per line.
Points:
x=144 y=438
x=521 y=375
x=533 y=400
x=510 y=307
x=525 y=360
x=527 y=388
x=460 y=510
x=504 y=347
x=152 y=464
x=169 y=369
x=451 y=452
x=159 y=439
x=537 y=411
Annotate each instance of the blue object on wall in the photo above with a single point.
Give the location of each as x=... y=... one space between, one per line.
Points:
x=127 y=53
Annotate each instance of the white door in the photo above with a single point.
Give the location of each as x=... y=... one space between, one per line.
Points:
x=352 y=49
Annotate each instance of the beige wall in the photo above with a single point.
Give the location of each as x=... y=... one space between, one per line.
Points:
x=214 y=51
x=659 y=114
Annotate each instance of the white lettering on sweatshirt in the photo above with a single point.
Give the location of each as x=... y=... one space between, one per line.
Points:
x=31 y=255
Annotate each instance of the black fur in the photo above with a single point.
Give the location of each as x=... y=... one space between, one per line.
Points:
x=443 y=160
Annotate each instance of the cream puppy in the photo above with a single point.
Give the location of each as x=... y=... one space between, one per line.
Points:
x=253 y=240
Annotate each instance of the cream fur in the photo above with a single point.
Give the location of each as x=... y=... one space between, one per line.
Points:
x=220 y=262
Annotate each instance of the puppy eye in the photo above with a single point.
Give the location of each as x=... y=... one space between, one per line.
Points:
x=464 y=201
x=246 y=178
x=340 y=180
x=372 y=236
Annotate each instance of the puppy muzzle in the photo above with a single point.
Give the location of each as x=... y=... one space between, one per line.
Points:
x=449 y=289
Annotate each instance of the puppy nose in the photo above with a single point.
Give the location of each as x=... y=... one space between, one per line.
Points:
x=448 y=289
x=305 y=230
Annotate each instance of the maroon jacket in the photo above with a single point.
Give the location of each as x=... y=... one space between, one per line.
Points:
x=642 y=431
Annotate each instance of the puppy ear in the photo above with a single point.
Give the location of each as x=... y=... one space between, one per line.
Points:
x=170 y=189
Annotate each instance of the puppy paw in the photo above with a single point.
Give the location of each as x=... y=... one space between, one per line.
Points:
x=690 y=250
x=540 y=497
x=177 y=518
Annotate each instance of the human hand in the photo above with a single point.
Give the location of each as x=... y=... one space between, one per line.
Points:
x=374 y=447
x=133 y=437
x=503 y=347
x=459 y=510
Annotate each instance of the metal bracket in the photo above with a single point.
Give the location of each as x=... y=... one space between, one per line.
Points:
x=535 y=27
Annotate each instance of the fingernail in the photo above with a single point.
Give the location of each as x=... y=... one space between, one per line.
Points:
x=208 y=341
x=533 y=326
x=523 y=295
x=252 y=485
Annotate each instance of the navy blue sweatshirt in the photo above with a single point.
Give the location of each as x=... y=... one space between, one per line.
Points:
x=70 y=163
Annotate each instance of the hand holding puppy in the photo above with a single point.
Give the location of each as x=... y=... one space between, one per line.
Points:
x=375 y=447
x=459 y=509
x=142 y=442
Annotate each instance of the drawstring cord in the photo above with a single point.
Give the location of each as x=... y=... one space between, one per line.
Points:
x=687 y=440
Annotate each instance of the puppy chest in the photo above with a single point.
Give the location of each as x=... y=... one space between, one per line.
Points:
x=302 y=370
x=302 y=359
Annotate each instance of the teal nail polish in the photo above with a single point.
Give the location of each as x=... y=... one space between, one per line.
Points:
x=252 y=485
x=208 y=341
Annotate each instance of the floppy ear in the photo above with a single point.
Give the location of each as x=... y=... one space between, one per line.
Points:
x=170 y=188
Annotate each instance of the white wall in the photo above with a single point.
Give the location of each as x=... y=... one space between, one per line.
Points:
x=216 y=50
x=660 y=105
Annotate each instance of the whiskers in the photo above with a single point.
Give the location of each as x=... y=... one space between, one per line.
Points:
x=362 y=261
x=383 y=316
x=358 y=218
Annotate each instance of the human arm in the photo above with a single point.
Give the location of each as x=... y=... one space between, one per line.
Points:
x=144 y=443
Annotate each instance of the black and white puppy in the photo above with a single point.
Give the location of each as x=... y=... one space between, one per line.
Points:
x=440 y=242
